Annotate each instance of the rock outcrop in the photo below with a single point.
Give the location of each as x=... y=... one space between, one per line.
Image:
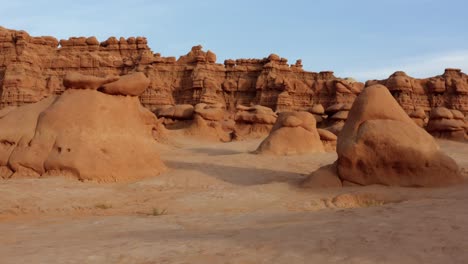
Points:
x=33 y=68
x=380 y=144
x=419 y=117
x=83 y=133
x=448 y=90
x=208 y=123
x=319 y=113
x=324 y=177
x=446 y=123
x=328 y=139
x=176 y=112
x=293 y=133
x=254 y=121
x=337 y=116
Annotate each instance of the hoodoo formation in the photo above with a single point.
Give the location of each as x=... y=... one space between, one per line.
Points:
x=58 y=88
x=293 y=133
x=33 y=68
x=121 y=149
x=83 y=133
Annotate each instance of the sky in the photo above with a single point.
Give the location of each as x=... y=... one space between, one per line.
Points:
x=364 y=39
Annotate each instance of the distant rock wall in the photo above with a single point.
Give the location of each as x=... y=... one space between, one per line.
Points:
x=32 y=68
x=448 y=90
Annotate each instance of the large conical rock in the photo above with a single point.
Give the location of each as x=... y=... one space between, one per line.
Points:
x=84 y=134
x=380 y=144
x=293 y=133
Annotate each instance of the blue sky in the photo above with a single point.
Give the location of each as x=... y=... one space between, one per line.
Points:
x=365 y=39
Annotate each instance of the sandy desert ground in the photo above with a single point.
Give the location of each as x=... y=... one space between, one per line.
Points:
x=218 y=203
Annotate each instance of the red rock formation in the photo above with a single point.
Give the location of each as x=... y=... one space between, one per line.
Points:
x=82 y=133
x=254 y=121
x=446 y=123
x=448 y=90
x=32 y=68
x=380 y=144
x=293 y=133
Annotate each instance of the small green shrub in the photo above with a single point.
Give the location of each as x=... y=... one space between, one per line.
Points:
x=158 y=212
x=103 y=206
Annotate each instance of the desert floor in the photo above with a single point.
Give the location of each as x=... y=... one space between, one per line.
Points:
x=218 y=203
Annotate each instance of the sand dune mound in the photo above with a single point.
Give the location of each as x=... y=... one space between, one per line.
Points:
x=380 y=144
x=83 y=133
x=293 y=133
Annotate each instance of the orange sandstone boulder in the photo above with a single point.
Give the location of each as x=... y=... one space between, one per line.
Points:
x=83 y=134
x=293 y=133
x=253 y=121
x=132 y=84
x=207 y=130
x=179 y=112
x=446 y=123
x=17 y=128
x=380 y=144
x=419 y=117
x=75 y=80
x=328 y=139
x=210 y=112
x=324 y=177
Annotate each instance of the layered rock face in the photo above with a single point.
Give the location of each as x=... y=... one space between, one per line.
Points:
x=446 y=123
x=83 y=133
x=32 y=68
x=381 y=144
x=448 y=90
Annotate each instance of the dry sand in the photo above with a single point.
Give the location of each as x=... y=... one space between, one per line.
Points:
x=221 y=204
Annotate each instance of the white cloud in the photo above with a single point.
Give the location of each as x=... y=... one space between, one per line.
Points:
x=420 y=67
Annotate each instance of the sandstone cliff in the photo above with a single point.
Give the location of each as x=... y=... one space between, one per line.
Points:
x=448 y=90
x=32 y=68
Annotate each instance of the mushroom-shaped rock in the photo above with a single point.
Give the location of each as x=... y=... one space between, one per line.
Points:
x=92 y=41
x=380 y=144
x=132 y=84
x=317 y=109
x=210 y=56
x=90 y=136
x=255 y=114
x=328 y=139
x=446 y=123
x=209 y=112
x=418 y=116
x=253 y=121
x=441 y=112
x=293 y=133
x=334 y=108
x=75 y=80
x=274 y=57
x=207 y=130
x=182 y=112
x=341 y=115
x=319 y=112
